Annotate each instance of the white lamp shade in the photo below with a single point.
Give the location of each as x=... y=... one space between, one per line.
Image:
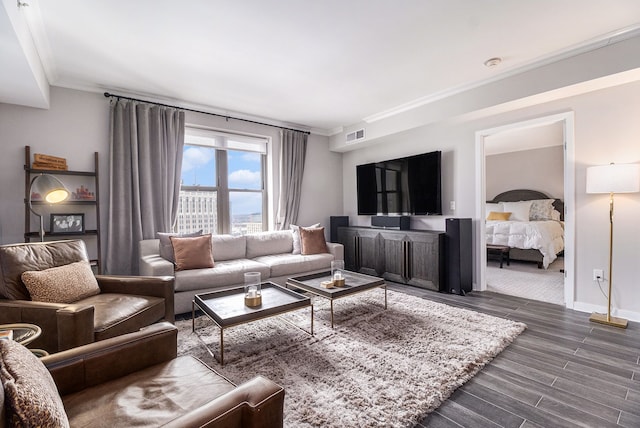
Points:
x=613 y=178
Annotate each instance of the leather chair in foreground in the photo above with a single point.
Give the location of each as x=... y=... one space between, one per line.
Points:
x=130 y=380
x=115 y=306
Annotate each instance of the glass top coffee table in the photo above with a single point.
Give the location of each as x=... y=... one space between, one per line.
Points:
x=226 y=307
x=354 y=283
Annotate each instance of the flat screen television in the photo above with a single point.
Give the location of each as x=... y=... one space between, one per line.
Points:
x=407 y=186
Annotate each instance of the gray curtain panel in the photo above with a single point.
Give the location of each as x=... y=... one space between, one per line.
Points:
x=293 y=150
x=145 y=162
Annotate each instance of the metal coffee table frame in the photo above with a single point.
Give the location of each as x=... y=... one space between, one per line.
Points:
x=226 y=308
x=354 y=283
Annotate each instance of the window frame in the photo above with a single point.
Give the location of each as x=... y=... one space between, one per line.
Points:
x=219 y=140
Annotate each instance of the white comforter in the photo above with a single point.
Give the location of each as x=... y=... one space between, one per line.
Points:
x=546 y=236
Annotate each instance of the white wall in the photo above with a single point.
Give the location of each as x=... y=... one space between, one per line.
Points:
x=539 y=169
x=607 y=130
x=77 y=124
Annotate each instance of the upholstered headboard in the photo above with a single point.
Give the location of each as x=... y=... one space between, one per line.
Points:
x=528 y=195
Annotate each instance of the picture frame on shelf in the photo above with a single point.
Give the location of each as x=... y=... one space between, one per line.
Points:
x=67 y=224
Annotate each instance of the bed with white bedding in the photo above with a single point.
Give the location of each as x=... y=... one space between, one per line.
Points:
x=529 y=223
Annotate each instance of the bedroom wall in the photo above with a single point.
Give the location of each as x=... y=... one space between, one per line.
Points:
x=77 y=124
x=539 y=169
x=606 y=130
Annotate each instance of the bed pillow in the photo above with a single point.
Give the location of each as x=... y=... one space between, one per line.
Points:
x=295 y=230
x=498 y=216
x=192 y=252
x=555 y=215
x=496 y=207
x=541 y=209
x=61 y=284
x=519 y=210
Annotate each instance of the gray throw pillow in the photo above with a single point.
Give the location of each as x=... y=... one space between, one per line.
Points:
x=166 y=249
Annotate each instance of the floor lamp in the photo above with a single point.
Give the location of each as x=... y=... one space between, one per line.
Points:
x=51 y=190
x=613 y=178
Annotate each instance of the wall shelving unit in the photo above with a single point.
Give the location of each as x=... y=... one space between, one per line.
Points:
x=89 y=207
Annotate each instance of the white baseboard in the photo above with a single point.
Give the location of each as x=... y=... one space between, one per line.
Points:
x=621 y=313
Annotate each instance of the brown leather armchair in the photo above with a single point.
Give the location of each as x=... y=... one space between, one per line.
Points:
x=137 y=380
x=125 y=303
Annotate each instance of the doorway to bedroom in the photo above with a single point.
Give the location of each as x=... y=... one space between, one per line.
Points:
x=523 y=169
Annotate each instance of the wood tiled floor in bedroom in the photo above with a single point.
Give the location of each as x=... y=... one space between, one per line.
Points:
x=563 y=371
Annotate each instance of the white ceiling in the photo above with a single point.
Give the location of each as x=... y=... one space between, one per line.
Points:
x=316 y=64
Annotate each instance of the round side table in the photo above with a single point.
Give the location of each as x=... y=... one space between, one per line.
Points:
x=22 y=333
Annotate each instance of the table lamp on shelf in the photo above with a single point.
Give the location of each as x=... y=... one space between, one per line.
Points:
x=612 y=178
x=51 y=190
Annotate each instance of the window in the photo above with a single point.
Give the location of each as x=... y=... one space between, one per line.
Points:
x=223 y=183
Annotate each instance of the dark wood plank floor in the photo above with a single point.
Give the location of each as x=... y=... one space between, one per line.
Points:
x=563 y=371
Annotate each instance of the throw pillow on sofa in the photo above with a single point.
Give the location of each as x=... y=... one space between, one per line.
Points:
x=192 y=252
x=312 y=240
x=30 y=393
x=166 y=249
x=295 y=230
x=62 y=284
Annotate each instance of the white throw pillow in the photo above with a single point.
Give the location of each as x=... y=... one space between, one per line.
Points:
x=519 y=210
x=295 y=229
x=541 y=209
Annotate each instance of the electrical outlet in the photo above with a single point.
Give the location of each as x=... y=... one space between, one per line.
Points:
x=598 y=275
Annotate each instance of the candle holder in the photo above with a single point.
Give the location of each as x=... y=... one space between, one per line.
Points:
x=337 y=273
x=252 y=289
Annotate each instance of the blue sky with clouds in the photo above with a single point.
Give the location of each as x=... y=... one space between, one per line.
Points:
x=198 y=168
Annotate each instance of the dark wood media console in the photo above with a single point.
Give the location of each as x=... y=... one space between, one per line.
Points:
x=413 y=257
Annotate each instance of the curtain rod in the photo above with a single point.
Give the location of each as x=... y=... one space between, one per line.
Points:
x=108 y=95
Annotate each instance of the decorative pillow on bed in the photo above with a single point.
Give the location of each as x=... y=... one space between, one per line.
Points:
x=519 y=210
x=541 y=209
x=498 y=216
x=555 y=215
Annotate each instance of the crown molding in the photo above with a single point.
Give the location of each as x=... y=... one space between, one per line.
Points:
x=33 y=17
x=188 y=105
x=599 y=42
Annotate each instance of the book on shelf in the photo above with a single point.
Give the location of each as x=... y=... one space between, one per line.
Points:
x=39 y=157
x=41 y=161
x=49 y=166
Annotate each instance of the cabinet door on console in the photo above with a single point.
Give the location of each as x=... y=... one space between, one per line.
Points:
x=425 y=264
x=394 y=249
x=368 y=250
x=348 y=237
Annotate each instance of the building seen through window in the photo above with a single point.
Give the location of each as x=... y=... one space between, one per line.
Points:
x=222 y=183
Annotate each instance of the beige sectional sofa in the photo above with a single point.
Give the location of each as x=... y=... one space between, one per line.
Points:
x=270 y=253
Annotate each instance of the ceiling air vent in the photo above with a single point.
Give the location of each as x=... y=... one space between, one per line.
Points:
x=355 y=136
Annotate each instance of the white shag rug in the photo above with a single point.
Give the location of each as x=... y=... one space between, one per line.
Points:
x=376 y=368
